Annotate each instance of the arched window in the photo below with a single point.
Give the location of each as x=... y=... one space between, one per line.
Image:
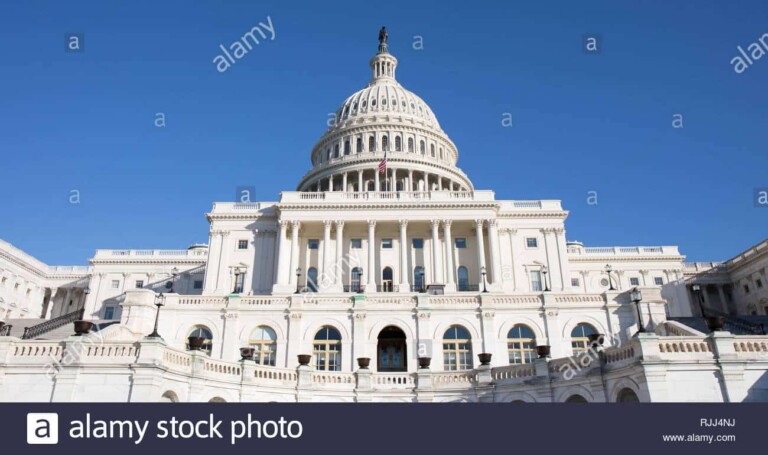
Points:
x=357 y=274
x=418 y=279
x=410 y=144
x=386 y=280
x=385 y=143
x=327 y=154
x=312 y=279
x=264 y=342
x=432 y=150
x=359 y=145
x=627 y=395
x=441 y=153
x=576 y=399
x=457 y=349
x=200 y=337
x=327 y=349
x=347 y=148
x=521 y=342
x=580 y=337
x=336 y=151
x=372 y=144
x=422 y=147
x=463 y=275
x=371 y=185
x=399 y=185
x=373 y=102
x=398 y=144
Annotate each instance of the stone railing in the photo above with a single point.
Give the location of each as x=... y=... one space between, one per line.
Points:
x=684 y=345
x=333 y=379
x=393 y=381
x=119 y=352
x=385 y=196
x=674 y=328
x=264 y=301
x=198 y=300
x=222 y=368
x=623 y=250
x=177 y=361
x=702 y=266
x=620 y=354
x=454 y=379
x=748 y=346
x=501 y=374
x=200 y=254
x=275 y=376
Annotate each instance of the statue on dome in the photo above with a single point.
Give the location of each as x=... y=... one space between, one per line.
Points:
x=383 y=35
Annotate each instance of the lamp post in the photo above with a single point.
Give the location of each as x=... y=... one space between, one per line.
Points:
x=483 y=272
x=159 y=302
x=608 y=270
x=421 y=280
x=360 y=281
x=636 y=296
x=545 y=270
x=86 y=291
x=697 y=292
x=298 y=285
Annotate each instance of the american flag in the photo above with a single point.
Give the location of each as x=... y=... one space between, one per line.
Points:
x=383 y=164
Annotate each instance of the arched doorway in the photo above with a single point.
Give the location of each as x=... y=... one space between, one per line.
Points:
x=627 y=395
x=386 y=279
x=576 y=398
x=391 y=350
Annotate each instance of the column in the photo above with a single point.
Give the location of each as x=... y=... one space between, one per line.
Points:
x=450 y=270
x=371 y=272
x=51 y=303
x=722 y=297
x=480 y=251
x=338 y=268
x=404 y=271
x=426 y=182
x=437 y=276
x=410 y=180
x=295 y=225
x=283 y=254
x=344 y=183
x=325 y=274
x=393 y=185
x=360 y=181
x=644 y=276
x=65 y=308
x=376 y=178
x=493 y=238
x=330 y=183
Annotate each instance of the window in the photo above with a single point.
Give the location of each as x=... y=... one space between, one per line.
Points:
x=746 y=289
x=531 y=242
x=356 y=244
x=410 y=144
x=385 y=143
x=580 y=337
x=347 y=148
x=372 y=143
x=312 y=279
x=432 y=150
x=336 y=151
x=658 y=281
x=418 y=243
x=115 y=284
x=242 y=244
x=109 y=313
x=386 y=243
x=634 y=281
x=313 y=244
x=422 y=147
x=198 y=284
x=460 y=242
x=327 y=349
x=463 y=275
x=398 y=144
x=357 y=274
x=200 y=337
x=327 y=154
x=359 y=145
x=264 y=343
x=139 y=284
x=521 y=343
x=758 y=283
x=239 y=282
x=575 y=282
x=457 y=349
x=536 y=281
x=418 y=278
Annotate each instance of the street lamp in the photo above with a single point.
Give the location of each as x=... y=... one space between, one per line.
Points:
x=420 y=274
x=298 y=274
x=636 y=296
x=697 y=292
x=159 y=301
x=174 y=273
x=608 y=270
x=483 y=272
x=360 y=281
x=545 y=270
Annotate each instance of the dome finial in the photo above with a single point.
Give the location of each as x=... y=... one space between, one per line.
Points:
x=383 y=36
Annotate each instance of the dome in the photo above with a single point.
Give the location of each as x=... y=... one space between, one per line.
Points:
x=384 y=120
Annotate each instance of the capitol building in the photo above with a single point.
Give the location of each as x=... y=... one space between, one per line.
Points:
x=385 y=276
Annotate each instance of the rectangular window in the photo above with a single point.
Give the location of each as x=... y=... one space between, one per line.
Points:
x=532 y=242
x=418 y=243
x=536 y=281
x=109 y=313
x=658 y=281
x=356 y=244
x=239 y=281
x=242 y=244
x=746 y=289
x=314 y=244
x=139 y=284
x=386 y=243
x=198 y=284
x=575 y=282
x=634 y=282
x=115 y=284
x=461 y=242
x=759 y=283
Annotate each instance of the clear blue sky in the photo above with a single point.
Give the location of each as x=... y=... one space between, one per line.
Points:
x=580 y=122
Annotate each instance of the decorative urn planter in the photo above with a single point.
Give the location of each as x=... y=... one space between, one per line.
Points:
x=247 y=353
x=485 y=358
x=195 y=343
x=715 y=323
x=363 y=362
x=83 y=327
x=542 y=351
x=424 y=362
x=304 y=359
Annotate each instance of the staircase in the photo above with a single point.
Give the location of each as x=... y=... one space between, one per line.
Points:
x=48 y=329
x=741 y=325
